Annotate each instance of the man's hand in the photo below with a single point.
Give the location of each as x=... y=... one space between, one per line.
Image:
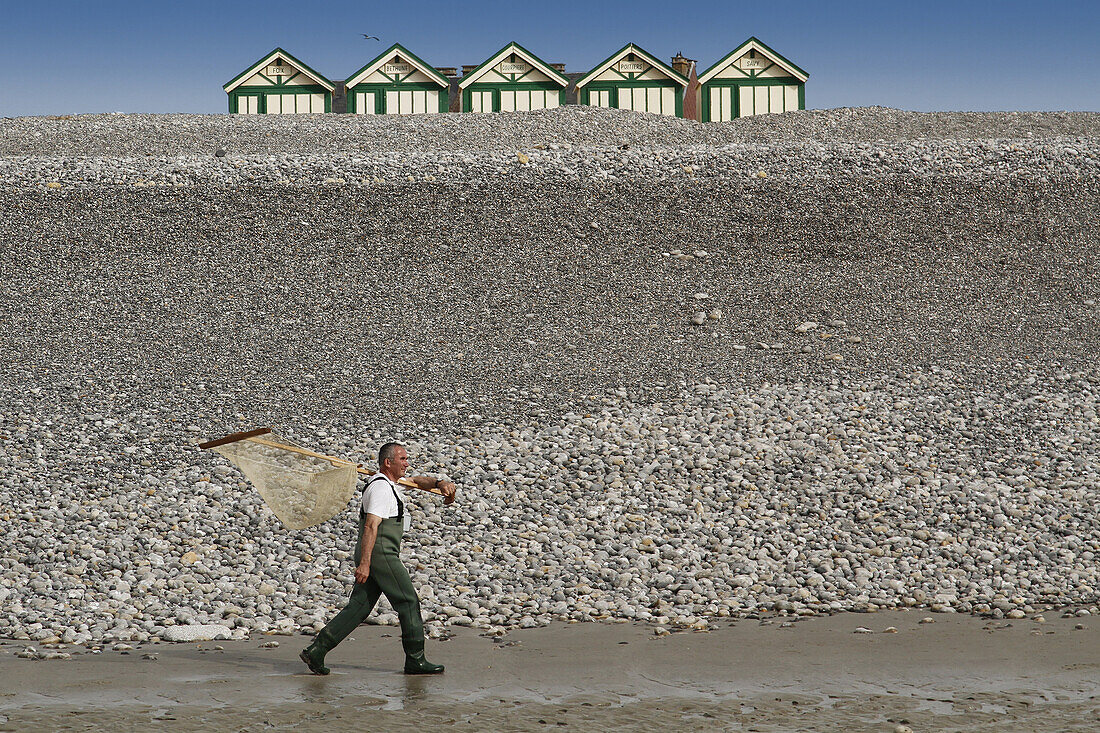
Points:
x=362 y=572
x=434 y=483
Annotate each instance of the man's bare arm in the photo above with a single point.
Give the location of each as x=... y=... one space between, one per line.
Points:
x=431 y=482
x=370 y=534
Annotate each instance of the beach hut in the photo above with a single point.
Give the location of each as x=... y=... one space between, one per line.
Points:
x=513 y=79
x=631 y=78
x=279 y=84
x=751 y=80
x=397 y=82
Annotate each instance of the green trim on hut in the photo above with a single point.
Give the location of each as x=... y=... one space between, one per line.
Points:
x=548 y=69
x=722 y=62
x=380 y=90
x=319 y=84
x=397 y=47
x=262 y=93
x=676 y=81
x=496 y=89
x=750 y=78
x=584 y=95
x=558 y=82
x=633 y=48
x=738 y=84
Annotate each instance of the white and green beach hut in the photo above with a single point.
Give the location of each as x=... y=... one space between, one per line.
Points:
x=512 y=80
x=752 y=79
x=279 y=84
x=631 y=78
x=397 y=82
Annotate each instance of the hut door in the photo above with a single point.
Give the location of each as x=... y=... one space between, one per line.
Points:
x=364 y=103
x=481 y=101
x=248 y=104
x=408 y=101
x=600 y=98
x=526 y=100
x=632 y=99
x=430 y=101
x=721 y=104
x=548 y=99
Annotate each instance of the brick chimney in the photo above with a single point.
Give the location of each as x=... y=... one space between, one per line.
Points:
x=447 y=70
x=681 y=64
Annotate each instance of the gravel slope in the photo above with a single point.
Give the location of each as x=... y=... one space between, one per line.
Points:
x=119 y=135
x=894 y=404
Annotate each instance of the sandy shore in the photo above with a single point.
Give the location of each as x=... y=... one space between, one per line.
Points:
x=959 y=673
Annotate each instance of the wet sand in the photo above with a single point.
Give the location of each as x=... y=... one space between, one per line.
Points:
x=960 y=673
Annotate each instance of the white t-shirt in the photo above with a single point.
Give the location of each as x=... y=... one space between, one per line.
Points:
x=378 y=498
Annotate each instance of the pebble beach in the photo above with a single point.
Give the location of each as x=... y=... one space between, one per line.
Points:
x=794 y=365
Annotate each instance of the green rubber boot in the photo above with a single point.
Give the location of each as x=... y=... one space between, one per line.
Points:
x=314 y=655
x=415 y=663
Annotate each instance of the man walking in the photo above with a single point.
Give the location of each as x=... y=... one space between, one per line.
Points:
x=383 y=519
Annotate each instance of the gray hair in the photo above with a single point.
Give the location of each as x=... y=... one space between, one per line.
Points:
x=388 y=450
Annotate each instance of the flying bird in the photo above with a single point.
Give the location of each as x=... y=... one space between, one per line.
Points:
x=369 y=38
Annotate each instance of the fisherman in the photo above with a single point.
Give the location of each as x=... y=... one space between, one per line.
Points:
x=383 y=519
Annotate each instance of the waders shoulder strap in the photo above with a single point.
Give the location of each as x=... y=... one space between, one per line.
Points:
x=400 y=504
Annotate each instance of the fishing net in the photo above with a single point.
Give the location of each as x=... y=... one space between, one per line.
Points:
x=303 y=488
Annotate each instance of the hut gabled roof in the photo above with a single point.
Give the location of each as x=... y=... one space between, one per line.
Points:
x=630 y=48
x=754 y=44
x=523 y=53
x=397 y=50
x=265 y=60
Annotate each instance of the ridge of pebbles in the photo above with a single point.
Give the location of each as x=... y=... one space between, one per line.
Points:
x=140 y=135
x=1019 y=160
x=858 y=494
x=890 y=400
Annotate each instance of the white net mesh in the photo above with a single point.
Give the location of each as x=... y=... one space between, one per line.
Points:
x=303 y=488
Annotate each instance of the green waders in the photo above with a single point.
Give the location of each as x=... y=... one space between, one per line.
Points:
x=387 y=576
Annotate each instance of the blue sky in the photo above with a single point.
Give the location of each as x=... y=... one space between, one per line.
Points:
x=64 y=57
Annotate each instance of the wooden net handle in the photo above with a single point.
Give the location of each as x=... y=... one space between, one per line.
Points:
x=234 y=437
